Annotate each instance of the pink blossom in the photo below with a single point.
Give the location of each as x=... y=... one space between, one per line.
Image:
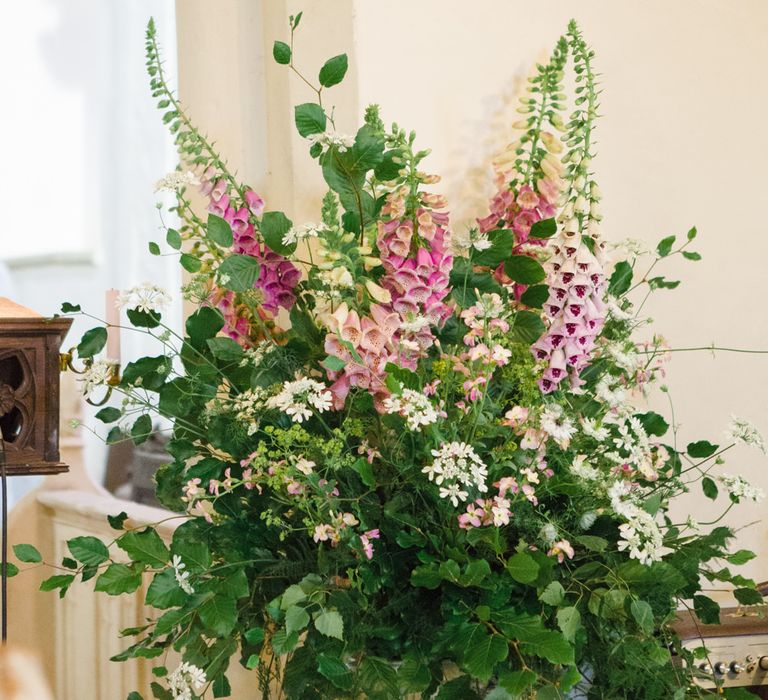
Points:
x=366 y=538
x=562 y=549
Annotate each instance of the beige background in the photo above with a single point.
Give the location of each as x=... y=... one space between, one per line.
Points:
x=682 y=141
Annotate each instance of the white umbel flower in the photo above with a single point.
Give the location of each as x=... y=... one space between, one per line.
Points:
x=185 y=680
x=456 y=468
x=743 y=431
x=95 y=375
x=642 y=538
x=298 y=397
x=145 y=297
x=416 y=408
x=300 y=233
x=340 y=142
x=738 y=487
x=174 y=181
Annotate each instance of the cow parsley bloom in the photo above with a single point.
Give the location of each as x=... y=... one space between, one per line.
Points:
x=457 y=465
x=743 y=431
x=146 y=297
x=329 y=140
x=298 y=397
x=96 y=374
x=300 y=233
x=414 y=406
x=182 y=577
x=174 y=181
x=738 y=487
x=185 y=680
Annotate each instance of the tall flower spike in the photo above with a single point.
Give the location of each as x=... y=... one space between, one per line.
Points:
x=529 y=172
x=575 y=308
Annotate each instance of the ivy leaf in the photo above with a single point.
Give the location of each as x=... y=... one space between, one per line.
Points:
x=219 y=231
x=281 y=52
x=143 y=319
x=118 y=579
x=481 y=650
x=274 y=225
x=145 y=547
x=701 y=449
x=91 y=551
x=665 y=246
x=621 y=279
x=27 y=553
x=67 y=308
x=527 y=327
x=643 y=615
x=173 y=238
x=334 y=70
x=310 y=119
x=546 y=228
x=330 y=624
x=709 y=487
x=238 y=273
x=92 y=342
x=707 y=609
x=523 y=567
x=219 y=615
x=524 y=269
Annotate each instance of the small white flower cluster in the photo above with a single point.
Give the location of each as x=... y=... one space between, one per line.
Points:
x=631 y=246
x=642 y=538
x=743 y=431
x=185 y=680
x=738 y=487
x=640 y=535
x=413 y=323
x=582 y=470
x=174 y=181
x=412 y=405
x=615 y=311
x=247 y=404
x=300 y=233
x=254 y=356
x=590 y=428
x=337 y=278
x=182 y=577
x=332 y=140
x=456 y=468
x=610 y=392
x=95 y=375
x=557 y=425
x=298 y=397
x=624 y=356
x=146 y=297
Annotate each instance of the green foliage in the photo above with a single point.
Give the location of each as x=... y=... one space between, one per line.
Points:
x=238 y=273
x=333 y=70
x=310 y=119
x=93 y=342
x=621 y=279
x=27 y=553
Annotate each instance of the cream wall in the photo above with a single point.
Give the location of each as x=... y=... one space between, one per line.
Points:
x=682 y=142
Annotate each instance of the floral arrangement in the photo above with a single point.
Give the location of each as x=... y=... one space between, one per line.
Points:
x=408 y=460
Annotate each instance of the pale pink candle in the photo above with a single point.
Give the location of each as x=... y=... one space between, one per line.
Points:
x=112 y=318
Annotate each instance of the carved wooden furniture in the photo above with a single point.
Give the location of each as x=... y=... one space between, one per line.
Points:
x=29 y=389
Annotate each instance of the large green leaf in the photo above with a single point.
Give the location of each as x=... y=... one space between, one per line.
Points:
x=621 y=279
x=281 y=52
x=330 y=623
x=92 y=342
x=333 y=70
x=310 y=119
x=239 y=273
x=91 y=551
x=144 y=546
x=219 y=615
x=335 y=670
x=27 y=553
x=204 y=323
x=524 y=269
x=219 y=231
x=378 y=679
x=501 y=248
x=523 y=567
x=274 y=225
x=164 y=591
x=481 y=650
x=527 y=327
x=118 y=579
